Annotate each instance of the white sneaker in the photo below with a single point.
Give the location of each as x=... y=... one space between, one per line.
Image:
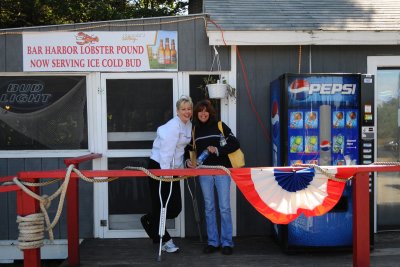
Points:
x=169 y=247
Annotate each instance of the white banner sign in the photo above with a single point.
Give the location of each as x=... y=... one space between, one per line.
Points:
x=100 y=51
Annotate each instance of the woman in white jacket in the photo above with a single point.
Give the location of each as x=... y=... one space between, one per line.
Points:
x=167 y=153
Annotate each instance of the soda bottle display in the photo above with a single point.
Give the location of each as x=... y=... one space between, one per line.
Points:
x=203 y=156
x=340 y=159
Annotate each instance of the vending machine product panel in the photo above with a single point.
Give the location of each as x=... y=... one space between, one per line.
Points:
x=323 y=119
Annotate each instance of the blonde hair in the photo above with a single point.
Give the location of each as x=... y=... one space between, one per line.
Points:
x=184 y=99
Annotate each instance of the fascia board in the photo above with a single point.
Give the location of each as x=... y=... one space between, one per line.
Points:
x=304 y=37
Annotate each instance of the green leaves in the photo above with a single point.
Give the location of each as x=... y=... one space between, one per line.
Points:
x=15 y=13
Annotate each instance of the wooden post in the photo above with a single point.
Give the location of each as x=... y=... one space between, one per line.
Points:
x=73 y=209
x=73 y=221
x=361 y=237
x=27 y=205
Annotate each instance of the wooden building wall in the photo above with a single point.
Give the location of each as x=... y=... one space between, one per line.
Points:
x=8 y=208
x=264 y=64
x=194 y=53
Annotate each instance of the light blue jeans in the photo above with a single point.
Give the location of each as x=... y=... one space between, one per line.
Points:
x=222 y=183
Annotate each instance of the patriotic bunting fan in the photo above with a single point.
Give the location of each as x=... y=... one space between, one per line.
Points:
x=282 y=196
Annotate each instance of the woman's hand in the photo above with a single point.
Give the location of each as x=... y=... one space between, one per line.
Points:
x=212 y=149
x=189 y=164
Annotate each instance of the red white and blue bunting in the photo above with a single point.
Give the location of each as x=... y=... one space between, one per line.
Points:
x=282 y=196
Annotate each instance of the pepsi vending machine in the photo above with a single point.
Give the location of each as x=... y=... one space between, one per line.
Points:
x=323 y=119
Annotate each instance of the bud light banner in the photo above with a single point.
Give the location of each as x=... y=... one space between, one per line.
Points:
x=330 y=90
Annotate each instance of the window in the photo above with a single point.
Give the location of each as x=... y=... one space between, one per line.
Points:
x=388 y=185
x=198 y=89
x=135 y=108
x=43 y=112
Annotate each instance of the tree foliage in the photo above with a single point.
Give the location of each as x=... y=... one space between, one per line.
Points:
x=25 y=13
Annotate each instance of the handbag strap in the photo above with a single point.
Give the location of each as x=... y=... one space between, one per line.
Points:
x=220 y=127
x=193 y=142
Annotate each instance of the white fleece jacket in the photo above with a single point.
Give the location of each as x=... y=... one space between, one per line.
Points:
x=170 y=143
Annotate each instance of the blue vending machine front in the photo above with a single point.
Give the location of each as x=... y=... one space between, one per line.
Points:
x=318 y=119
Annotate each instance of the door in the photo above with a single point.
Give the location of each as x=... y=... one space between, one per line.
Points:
x=133 y=106
x=387 y=103
x=388 y=122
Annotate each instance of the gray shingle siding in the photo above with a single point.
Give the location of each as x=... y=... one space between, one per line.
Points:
x=195 y=54
x=295 y=15
x=195 y=6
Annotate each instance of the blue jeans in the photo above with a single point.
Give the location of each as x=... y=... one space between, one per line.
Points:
x=222 y=183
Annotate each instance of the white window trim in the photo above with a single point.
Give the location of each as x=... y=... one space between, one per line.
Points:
x=228 y=115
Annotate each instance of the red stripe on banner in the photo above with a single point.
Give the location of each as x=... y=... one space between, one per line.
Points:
x=242 y=178
x=335 y=191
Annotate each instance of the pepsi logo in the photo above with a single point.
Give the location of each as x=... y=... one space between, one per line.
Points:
x=275 y=119
x=299 y=88
x=275 y=109
x=325 y=145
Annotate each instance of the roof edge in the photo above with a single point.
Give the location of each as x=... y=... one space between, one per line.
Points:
x=304 y=37
x=107 y=22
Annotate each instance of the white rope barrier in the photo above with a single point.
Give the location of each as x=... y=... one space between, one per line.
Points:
x=31 y=231
x=29 y=221
x=32 y=227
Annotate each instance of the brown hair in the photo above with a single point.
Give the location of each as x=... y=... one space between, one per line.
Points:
x=204 y=105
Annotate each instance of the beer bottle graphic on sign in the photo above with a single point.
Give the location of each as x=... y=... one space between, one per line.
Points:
x=150 y=52
x=173 y=52
x=167 y=52
x=161 y=53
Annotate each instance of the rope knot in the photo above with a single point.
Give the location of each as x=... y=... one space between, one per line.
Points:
x=323 y=171
x=45 y=201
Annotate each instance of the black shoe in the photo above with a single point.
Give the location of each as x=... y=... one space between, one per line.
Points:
x=145 y=220
x=210 y=249
x=227 y=250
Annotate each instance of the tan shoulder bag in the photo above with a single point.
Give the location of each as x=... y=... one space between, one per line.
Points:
x=193 y=153
x=236 y=158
